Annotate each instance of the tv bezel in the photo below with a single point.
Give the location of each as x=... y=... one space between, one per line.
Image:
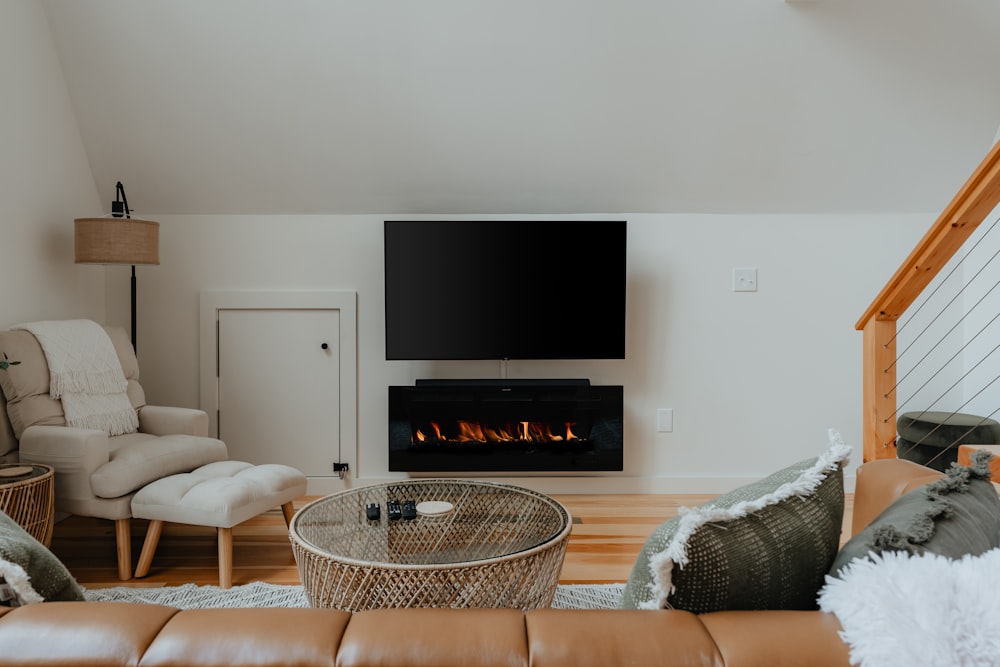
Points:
x=613 y=350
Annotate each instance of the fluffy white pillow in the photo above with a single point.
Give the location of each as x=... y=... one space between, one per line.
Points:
x=900 y=610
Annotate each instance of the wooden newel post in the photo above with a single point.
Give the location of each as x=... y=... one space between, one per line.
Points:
x=879 y=393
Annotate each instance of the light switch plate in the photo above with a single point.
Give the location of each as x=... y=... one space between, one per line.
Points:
x=744 y=280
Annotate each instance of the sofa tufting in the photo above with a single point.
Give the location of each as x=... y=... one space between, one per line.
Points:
x=110 y=634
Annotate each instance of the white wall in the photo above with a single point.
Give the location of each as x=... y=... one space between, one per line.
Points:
x=755 y=379
x=45 y=179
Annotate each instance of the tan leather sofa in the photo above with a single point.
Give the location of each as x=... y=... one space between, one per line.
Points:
x=111 y=634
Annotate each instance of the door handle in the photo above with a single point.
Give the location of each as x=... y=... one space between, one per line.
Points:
x=325 y=346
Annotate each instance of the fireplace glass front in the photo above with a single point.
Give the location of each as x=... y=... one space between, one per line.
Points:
x=505 y=426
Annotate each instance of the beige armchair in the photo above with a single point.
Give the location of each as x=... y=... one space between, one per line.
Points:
x=96 y=474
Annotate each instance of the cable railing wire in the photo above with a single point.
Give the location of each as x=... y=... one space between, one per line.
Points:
x=902 y=325
x=926 y=383
x=923 y=337
x=948 y=333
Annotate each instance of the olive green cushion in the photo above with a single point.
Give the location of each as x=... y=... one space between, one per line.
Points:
x=955 y=516
x=32 y=572
x=766 y=545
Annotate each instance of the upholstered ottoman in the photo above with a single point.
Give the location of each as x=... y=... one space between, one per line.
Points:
x=221 y=494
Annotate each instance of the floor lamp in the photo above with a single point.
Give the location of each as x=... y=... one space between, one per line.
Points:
x=119 y=239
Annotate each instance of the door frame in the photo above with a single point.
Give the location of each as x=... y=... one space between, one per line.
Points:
x=345 y=301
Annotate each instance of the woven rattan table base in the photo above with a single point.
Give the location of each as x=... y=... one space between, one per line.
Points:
x=502 y=546
x=30 y=500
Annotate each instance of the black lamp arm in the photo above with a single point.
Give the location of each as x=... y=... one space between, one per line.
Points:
x=120 y=204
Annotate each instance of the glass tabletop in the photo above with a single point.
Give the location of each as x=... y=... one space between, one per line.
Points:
x=487 y=521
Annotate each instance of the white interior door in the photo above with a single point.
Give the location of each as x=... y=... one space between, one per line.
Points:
x=279 y=385
x=278 y=378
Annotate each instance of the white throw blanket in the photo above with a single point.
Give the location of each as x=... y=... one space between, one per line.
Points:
x=902 y=610
x=86 y=375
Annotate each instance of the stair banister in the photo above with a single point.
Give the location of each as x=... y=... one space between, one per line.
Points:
x=968 y=208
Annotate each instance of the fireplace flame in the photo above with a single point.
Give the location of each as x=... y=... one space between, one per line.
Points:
x=470 y=432
x=524 y=431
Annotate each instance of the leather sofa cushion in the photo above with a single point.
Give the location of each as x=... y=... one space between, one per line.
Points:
x=26 y=385
x=779 y=637
x=137 y=459
x=435 y=636
x=74 y=633
x=601 y=637
x=206 y=638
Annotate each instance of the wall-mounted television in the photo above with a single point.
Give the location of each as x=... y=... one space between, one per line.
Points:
x=504 y=289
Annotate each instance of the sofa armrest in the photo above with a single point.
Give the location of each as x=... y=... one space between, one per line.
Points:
x=163 y=420
x=879 y=483
x=68 y=450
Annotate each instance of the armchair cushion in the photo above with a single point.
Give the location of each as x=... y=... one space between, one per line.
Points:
x=138 y=459
x=26 y=385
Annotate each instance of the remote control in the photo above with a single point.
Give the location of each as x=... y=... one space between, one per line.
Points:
x=373 y=511
x=392 y=507
x=409 y=510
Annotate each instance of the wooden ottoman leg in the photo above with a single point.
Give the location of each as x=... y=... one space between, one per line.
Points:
x=289 y=511
x=225 y=557
x=149 y=548
x=123 y=540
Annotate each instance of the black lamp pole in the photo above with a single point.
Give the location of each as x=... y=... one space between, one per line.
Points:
x=134 y=348
x=118 y=207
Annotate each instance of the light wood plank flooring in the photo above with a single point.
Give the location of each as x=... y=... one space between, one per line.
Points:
x=608 y=532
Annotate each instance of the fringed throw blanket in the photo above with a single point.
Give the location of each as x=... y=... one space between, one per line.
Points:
x=86 y=375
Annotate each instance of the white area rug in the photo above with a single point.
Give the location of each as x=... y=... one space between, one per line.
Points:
x=899 y=610
x=260 y=594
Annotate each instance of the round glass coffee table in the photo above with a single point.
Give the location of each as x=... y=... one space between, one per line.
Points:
x=472 y=544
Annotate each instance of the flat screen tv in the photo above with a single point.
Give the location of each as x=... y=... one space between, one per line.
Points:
x=504 y=289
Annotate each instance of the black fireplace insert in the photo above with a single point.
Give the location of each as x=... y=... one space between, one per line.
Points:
x=505 y=426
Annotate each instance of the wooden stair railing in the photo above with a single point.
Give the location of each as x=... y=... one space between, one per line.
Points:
x=970 y=206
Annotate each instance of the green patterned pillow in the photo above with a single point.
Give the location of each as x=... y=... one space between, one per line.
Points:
x=31 y=573
x=766 y=545
x=955 y=516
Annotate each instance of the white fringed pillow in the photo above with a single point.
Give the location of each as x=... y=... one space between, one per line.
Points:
x=766 y=545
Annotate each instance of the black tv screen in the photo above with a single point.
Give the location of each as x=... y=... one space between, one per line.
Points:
x=502 y=289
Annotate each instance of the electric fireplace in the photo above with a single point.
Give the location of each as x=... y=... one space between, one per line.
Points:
x=505 y=426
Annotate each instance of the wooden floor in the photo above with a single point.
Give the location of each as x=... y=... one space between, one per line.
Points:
x=608 y=532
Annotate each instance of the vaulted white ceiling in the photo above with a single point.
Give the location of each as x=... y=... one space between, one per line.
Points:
x=532 y=106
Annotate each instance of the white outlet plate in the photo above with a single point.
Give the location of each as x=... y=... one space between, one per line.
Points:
x=665 y=420
x=744 y=280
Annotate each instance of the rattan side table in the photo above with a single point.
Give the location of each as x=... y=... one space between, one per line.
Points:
x=27 y=496
x=500 y=546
